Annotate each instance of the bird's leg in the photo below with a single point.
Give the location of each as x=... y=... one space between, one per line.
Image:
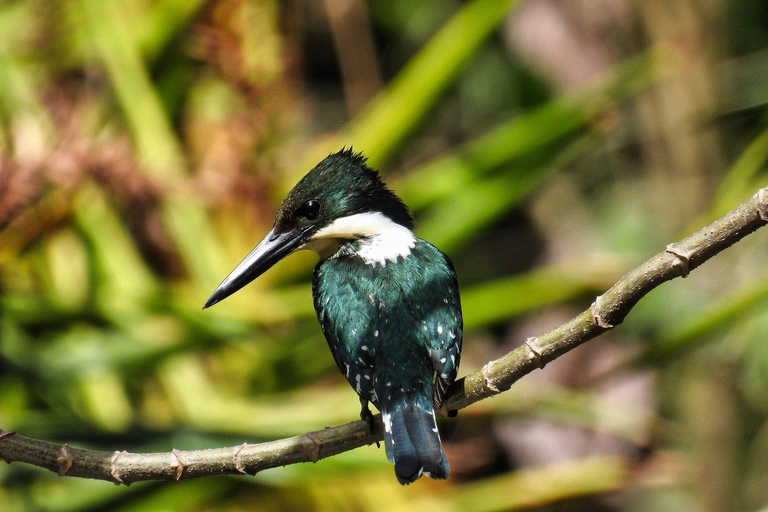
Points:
x=366 y=414
x=440 y=396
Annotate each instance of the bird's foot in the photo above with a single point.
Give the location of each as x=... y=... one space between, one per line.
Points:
x=366 y=415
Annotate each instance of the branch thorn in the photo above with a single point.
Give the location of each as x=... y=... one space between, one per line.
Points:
x=236 y=458
x=535 y=352
x=178 y=464
x=5 y=433
x=314 y=454
x=597 y=314
x=64 y=460
x=682 y=259
x=487 y=379
x=113 y=467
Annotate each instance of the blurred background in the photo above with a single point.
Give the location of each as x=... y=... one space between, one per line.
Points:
x=546 y=146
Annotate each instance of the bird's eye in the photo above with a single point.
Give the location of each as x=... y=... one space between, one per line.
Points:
x=310 y=209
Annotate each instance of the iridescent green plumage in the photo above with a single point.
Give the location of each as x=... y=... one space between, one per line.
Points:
x=395 y=332
x=388 y=302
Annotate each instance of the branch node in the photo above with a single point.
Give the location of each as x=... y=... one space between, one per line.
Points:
x=762 y=204
x=535 y=351
x=313 y=454
x=597 y=314
x=682 y=259
x=609 y=307
x=487 y=378
x=5 y=433
x=236 y=458
x=113 y=467
x=65 y=460
x=178 y=464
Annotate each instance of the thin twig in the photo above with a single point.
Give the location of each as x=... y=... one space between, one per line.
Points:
x=608 y=310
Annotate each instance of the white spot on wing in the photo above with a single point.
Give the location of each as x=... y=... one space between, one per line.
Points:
x=439 y=329
x=387 y=422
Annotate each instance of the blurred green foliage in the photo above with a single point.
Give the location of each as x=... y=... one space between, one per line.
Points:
x=144 y=145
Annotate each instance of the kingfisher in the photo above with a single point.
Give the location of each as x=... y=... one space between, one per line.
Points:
x=387 y=301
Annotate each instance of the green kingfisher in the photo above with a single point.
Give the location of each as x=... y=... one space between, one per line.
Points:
x=387 y=301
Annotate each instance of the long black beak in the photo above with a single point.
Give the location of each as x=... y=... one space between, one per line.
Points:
x=269 y=251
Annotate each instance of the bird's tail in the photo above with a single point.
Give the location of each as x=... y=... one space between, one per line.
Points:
x=411 y=439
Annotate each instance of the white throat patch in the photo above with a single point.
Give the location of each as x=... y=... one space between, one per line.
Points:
x=384 y=239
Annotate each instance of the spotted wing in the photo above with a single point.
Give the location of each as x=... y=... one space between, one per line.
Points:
x=436 y=308
x=347 y=321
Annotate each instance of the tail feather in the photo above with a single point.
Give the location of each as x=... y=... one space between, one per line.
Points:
x=422 y=430
x=412 y=441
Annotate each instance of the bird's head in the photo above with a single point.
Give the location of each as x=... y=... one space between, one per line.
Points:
x=341 y=199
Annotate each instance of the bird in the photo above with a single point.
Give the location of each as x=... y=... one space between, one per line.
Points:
x=387 y=301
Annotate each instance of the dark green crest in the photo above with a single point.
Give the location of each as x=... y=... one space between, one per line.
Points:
x=340 y=185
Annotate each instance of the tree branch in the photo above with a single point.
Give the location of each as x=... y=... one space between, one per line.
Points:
x=608 y=311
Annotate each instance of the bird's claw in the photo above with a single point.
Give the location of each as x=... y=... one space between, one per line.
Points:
x=366 y=415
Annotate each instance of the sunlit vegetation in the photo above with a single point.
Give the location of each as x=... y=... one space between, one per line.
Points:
x=546 y=146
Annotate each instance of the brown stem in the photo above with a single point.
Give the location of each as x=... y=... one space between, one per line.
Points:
x=608 y=311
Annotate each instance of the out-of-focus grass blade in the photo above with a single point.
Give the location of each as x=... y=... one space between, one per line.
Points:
x=15 y=400
x=748 y=89
x=754 y=356
x=16 y=345
x=84 y=347
x=392 y=115
x=527 y=134
x=155 y=139
x=198 y=494
x=453 y=222
x=741 y=180
x=48 y=212
x=53 y=494
x=690 y=334
x=163 y=21
x=446 y=176
x=188 y=224
x=504 y=298
x=16 y=20
x=50 y=493
x=66 y=271
x=30 y=128
x=102 y=399
x=450 y=224
x=151 y=129
x=570 y=406
x=539 y=486
x=198 y=403
x=125 y=284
